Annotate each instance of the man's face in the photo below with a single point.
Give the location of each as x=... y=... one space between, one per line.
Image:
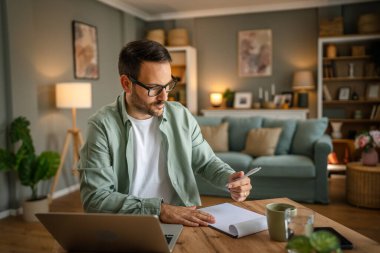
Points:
x=141 y=105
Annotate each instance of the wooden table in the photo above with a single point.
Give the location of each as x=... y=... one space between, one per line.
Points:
x=205 y=239
x=363 y=185
x=33 y=237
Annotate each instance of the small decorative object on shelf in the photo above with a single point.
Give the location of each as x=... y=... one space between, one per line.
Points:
x=368 y=142
x=228 y=96
x=354 y=95
x=331 y=51
x=216 y=99
x=336 y=127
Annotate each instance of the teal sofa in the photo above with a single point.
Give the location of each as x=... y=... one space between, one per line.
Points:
x=297 y=170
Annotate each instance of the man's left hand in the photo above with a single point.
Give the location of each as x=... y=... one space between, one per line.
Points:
x=239 y=186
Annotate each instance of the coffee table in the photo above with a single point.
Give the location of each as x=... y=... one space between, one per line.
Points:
x=204 y=239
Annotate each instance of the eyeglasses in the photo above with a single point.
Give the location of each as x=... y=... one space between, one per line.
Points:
x=156 y=89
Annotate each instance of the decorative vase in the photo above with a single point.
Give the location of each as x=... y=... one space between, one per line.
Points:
x=370 y=158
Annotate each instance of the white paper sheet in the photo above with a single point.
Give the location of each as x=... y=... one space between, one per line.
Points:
x=236 y=221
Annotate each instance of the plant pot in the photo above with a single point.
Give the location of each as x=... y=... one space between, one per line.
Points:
x=370 y=158
x=31 y=207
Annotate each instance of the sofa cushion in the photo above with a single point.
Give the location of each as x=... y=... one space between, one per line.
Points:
x=307 y=132
x=285 y=166
x=208 y=121
x=216 y=136
x=238 y=161
x=238 y=130
x=262 y=141
x=288 y=127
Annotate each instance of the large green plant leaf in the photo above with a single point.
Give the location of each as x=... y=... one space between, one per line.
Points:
x=324 y=241
x=300 y=244
x=46 y=166
x=7 y=160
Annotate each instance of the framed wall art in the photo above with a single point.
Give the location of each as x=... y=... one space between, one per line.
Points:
x=243 y=100
x=255 y=53
x=85 y=44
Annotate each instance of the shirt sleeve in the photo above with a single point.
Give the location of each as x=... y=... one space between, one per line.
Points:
x=204 y=161
x=98 y=182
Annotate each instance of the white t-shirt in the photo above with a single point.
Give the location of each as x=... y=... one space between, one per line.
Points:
x=150 y=177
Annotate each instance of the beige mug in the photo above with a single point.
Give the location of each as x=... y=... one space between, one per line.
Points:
x=275 y=213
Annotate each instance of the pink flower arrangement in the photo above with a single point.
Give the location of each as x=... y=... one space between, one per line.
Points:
x=368 y=140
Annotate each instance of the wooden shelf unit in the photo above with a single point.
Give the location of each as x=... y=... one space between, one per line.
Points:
x=334 y=73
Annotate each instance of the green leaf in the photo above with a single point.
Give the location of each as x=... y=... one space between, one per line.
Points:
x=46 y=165
x=300 y=244
x=7 y=160
x=324 y=241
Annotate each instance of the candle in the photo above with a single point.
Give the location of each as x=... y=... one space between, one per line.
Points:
x=273 y=89
x=266 y=96
x=260 y=93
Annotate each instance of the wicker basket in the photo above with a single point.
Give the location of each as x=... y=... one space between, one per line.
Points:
x=369 y=23
x=363 y=185
x=157 y=35
x=178 y=37
x=332 y=27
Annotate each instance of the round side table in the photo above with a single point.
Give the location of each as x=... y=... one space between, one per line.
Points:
x=363 y=185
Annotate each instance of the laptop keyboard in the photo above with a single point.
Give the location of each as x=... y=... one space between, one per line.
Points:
x=169 y=238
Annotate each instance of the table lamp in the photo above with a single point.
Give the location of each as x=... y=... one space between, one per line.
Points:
x=71 y=96
x=216 y=99
x=303 y=82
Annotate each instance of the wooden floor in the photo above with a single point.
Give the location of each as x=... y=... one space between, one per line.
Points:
x=14 y=231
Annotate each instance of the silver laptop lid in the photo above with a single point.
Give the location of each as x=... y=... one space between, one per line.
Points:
x=99 y=232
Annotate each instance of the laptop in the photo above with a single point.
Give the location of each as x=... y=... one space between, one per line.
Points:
x=99 y=232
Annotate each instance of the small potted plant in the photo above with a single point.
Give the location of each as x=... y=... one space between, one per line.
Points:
x=30 y=168
x=228 y=97
x=368 y=142
x=319 y=242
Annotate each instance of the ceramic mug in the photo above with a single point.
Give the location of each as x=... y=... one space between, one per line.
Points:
x=275 y=213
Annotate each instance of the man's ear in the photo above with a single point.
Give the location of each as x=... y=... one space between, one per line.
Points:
x=126 y=84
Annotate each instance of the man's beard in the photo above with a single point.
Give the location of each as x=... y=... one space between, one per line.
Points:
x=146 y=108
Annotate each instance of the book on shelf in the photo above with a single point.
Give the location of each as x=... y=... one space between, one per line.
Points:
x=236 y=221
x=373 y=112
x=377 y=113
x=326 y=93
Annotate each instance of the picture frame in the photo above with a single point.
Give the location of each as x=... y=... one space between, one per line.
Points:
x=85 y=48
x=243 y=100
x=373 y=91
x=278 y=100
x=288 y=97
x=255 y=53
x=344 y=93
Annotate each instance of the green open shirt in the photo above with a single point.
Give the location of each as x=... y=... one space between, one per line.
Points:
x=106 y=160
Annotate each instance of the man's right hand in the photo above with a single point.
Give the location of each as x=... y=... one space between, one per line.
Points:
x=188 y=216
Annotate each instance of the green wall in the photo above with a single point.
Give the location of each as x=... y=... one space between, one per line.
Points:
x=41 y=54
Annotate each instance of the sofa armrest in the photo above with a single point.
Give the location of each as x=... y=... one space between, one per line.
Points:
x=322 y=148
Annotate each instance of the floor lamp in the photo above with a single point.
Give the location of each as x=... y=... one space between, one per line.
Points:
x=72 y=96
x=303 y=82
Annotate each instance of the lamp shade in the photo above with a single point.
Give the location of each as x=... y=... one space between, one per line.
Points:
x=303 y=80
x=216 y=99
x=73 y=95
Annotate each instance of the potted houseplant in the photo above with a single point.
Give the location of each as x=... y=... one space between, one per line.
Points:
x=29 y=167
x=228 y=96
x=319 y=242
x=368 y=142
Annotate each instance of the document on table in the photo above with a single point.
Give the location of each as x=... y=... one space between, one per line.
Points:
x=236 y=221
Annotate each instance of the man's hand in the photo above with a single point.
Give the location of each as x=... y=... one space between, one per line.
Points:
x=188 y=216
x=239 y=186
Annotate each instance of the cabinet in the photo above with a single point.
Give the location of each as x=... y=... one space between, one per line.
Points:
x=184 y=67
x=348 y=81
x=300 y=114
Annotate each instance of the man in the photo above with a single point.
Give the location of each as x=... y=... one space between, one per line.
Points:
x=142 y=152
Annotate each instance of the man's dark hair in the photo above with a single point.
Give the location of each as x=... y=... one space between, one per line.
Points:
x=136 y=52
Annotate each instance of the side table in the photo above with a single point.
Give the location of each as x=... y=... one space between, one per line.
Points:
x=363 y=185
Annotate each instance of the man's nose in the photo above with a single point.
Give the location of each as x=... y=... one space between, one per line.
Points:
x=163 y=95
